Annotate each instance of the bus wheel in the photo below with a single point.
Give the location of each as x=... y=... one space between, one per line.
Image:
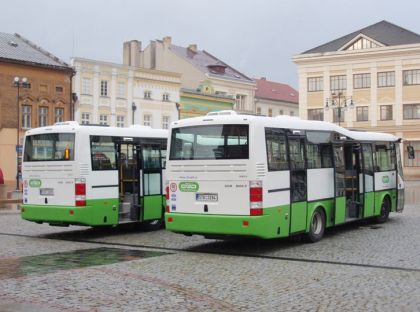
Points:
x=317 y=228
x=385 y=210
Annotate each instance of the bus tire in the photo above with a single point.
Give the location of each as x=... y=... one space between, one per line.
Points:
x=317 y=227
x=385 y=210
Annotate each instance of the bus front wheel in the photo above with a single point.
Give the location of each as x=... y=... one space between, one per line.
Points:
x=317 y=228
x=385 y=210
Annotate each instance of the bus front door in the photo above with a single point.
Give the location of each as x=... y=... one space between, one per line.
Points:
x=151 y=176
x=400 y=179
x=129 y=182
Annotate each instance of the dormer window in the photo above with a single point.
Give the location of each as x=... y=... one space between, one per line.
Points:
x=217 y=69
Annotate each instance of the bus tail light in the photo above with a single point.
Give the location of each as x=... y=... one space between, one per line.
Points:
x=167 y=197
x=255 y=198
x=80 y=192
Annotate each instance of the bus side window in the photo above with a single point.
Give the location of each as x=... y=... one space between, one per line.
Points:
x=276 y=150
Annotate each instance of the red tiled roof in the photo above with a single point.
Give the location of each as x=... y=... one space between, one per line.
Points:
x=276 y=91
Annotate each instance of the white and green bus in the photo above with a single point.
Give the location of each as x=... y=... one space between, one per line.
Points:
x=271 y=177
x=94 y=175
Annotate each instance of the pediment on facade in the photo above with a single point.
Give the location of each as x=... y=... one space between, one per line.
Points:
x=386 y=99
x=28 y=98
x=361 y=42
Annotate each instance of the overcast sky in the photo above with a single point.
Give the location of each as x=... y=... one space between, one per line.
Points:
x=256 y=37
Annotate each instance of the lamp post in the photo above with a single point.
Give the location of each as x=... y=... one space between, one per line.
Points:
x=18 y=83
x=133 y=109
x=340 y=102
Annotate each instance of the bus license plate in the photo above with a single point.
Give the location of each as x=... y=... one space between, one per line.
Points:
x=206 y=197
x=46 y=192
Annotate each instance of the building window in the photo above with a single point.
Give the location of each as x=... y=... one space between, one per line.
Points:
x=104 y=88
x=147 y=120
x=86 y=86
x=120 y=121
x=338 y=83
x=270 y=112
x=42 y=116
x=59 y=114
x=338 y=115
x=386 y=79
x=316 y=114
x=240 y=101
x=315 y=84
x=361 y=81
x=258 y=110
x=362 y=43
x=103 y=119
x=26 y=117
x=165 y=97
x=59 y=89
x=85 y=118
x=411 y=77
x=362 y=113
x=165 y=122
x=121 y=90
x=43 y=88
x=292 y=113
x=411 y=111
x=281 y=112
x=386 y=112
x=147 y=95
x=412 y=162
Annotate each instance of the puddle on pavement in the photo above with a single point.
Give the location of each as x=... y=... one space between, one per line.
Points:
x=75 y=259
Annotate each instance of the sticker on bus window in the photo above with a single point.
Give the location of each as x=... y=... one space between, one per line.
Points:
x=173 y=208
x=188 y=187
x=173 y=187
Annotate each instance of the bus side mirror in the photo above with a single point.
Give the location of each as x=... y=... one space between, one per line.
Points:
x=410 y=152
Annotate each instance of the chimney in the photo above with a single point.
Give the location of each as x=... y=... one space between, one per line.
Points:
x=132 y=53
x=193 y=48
x=263 y=78
x=167 y=41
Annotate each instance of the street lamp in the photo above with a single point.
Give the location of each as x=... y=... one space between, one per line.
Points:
x=19 y=83
x=133 y=109
x=340 y=102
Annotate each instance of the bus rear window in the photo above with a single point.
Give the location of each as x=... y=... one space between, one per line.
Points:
x=49 y=147
x=210 y=142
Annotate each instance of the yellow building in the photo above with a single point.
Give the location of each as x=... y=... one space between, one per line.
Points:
x=373 y=74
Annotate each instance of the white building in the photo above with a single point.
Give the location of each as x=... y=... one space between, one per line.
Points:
x=120 y=95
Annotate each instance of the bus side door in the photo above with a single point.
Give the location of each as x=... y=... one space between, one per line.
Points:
x=298 y=184
x=152 y=181
x=367 y=180
x=400 y=179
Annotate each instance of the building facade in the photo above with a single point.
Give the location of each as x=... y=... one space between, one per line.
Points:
x=274 y=99
x=373 y=78
x=196 y=66
x=42 y=99
x=199 y=102
x=121 y=95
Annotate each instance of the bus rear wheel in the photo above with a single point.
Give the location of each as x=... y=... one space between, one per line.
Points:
x=317 y=228
x=385 y=210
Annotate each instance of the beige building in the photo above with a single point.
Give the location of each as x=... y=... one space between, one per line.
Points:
x=197 y=67
x=121 y=95
x=377 y=69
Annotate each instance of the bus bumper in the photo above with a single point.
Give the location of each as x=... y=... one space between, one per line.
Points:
x=264 y=226
x=59 y=215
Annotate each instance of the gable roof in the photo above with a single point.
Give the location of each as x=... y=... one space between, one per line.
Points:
x=276 y=91
x=383 y=32
x=15 y=48
x=202 y=60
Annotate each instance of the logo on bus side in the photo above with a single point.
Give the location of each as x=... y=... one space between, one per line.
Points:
x=385 y=179
x=34 y=183
x=188 y=187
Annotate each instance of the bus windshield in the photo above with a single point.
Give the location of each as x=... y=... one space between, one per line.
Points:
x=210 y=142
x=49 y=147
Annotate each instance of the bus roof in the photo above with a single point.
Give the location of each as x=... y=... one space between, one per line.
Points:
x=285 y=122
x=73 y=126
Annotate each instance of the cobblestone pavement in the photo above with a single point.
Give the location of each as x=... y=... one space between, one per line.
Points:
x=355 y=267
